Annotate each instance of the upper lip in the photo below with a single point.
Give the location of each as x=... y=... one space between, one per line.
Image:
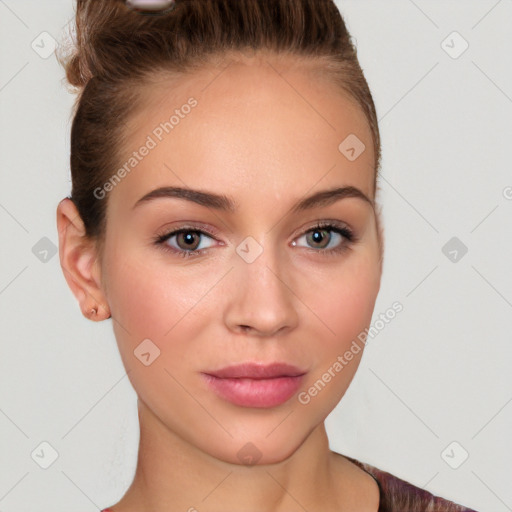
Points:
x=257 y=371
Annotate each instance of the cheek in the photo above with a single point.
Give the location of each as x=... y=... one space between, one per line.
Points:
x=345 y=305
x=155 y=301
x=346 y=301
x=149 y=295
x=140 y=302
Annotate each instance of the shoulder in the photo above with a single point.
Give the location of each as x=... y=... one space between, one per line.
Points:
x=397 y=495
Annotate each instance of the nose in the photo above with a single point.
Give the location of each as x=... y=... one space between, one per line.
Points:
x=261 y=297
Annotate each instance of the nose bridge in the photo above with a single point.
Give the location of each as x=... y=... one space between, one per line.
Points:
x=259 y=266
x=262 y=297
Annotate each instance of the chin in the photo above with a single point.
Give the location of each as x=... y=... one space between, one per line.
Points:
x=249 y=453
x=261 y=448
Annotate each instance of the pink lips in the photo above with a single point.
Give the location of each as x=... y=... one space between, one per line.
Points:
x=255 y=385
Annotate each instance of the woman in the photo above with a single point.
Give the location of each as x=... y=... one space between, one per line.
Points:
x=225 y=158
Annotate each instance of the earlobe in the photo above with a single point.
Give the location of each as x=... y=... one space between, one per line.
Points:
x=78 y=259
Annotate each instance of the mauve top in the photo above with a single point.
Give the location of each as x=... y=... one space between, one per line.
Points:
x=403 y=494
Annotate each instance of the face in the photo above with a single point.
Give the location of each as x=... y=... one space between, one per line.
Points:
x=257 y=281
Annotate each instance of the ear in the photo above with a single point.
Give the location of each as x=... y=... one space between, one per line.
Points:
x=80 y=263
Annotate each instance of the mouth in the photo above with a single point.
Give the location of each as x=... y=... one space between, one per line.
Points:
x=255 y=385
x=257 y=371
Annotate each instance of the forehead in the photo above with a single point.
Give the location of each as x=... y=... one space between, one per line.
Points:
x=258 y=125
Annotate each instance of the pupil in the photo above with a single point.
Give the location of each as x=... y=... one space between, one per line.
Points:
x=318 y=236
x=189 y=238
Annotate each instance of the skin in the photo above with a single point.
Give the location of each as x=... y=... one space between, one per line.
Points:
x=266 y=139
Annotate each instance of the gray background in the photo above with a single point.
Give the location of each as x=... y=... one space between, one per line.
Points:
x=438 y=373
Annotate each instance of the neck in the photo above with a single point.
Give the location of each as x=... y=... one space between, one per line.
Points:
x=173 y=475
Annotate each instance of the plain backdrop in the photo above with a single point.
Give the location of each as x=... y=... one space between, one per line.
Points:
x=434 y=389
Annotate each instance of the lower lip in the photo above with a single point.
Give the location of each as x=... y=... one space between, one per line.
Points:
x=255 y=392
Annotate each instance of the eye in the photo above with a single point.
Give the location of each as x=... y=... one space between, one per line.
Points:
x=321 y=238
x=325 y=238
x=184 y=242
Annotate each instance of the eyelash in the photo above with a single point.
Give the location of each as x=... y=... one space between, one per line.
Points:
x=350 y=238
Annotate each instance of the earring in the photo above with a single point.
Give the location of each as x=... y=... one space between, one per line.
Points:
x=94 y=311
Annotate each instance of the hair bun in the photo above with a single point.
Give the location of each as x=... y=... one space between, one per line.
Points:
x=99 y=26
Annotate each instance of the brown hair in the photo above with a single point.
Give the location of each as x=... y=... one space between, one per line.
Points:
x=117 y=51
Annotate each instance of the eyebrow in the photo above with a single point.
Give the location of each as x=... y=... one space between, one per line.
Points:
x=224 y=203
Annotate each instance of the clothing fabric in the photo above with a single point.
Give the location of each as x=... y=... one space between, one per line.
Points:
x=398 y=495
